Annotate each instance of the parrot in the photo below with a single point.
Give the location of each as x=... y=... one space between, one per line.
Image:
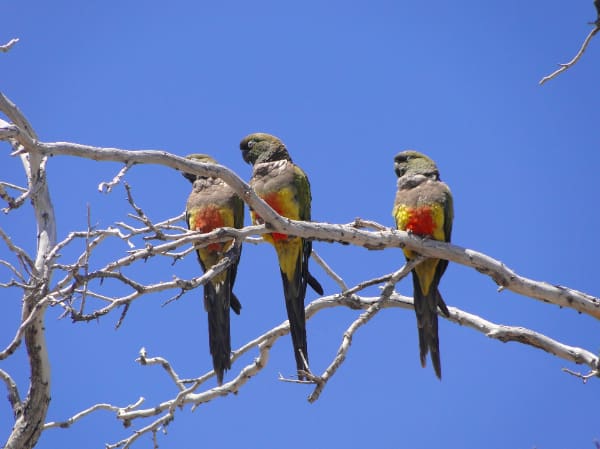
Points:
x=213 y=204
x=424 y=207
x=285 y=187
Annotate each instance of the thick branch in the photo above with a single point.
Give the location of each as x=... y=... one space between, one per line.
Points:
x=154 y=157
x=503 y=276
x=28 y=425
x=26 y=323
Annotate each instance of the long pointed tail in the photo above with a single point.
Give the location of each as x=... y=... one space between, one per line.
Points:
x=426 y=307
x=217 y=304
x=294 y=304
x=314 y=284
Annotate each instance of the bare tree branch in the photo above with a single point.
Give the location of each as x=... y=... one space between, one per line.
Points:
x=6 y=47
x=583 y=377
x=329 y=271
x=16 y=116
x=372 y=305
x=142 y=216
x=111 y=408
x=13 y=393
x=13 y=203
x=21 y=254
x=25 y=325
x=167 y=237
x=28 y=425
x=143 y=359
x=572 y=62
x=503 y=276
x=108 y=186
x=16 y=272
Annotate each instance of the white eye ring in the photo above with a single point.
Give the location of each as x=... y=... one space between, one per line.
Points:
x=250 y=144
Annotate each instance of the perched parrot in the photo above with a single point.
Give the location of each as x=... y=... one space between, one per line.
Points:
x=423 y=206
x=285 y=187
x=213 y=204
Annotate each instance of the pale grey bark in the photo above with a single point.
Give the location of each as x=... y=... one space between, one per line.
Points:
x=582 y=49
x=30 y=413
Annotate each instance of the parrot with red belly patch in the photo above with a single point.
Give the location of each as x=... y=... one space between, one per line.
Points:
x=423 y=206
x=285 y=187
x=211 y=205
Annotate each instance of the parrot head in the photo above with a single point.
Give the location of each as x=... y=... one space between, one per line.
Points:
x=198 y=158
x=262 y=147
x=414 y=163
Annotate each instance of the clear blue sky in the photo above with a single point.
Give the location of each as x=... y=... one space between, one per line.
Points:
x=346 y=85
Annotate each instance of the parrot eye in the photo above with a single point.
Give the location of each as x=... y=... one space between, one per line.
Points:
x=250 y=144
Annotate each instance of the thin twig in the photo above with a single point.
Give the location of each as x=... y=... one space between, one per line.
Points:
x=13 y=393
x=401 y=273
x=139 y=290
x=363 y=319
x=13 y=186
x=111 y=408
x=322 y=380
x=361 y=223
x=16 y=341
x=4 y=48
x=86 y=260
x=583 y=377
x=22 y=255
x=153 y=427
x=229 y=257
x=11 y=201
x=106 y=187
x=366 y=284
x=16 y=272
x=143 y=359
x=141 y=215
x=573 y=61
x=329 y=270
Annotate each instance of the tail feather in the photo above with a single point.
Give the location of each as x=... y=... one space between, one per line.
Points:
x=314 y=284
x=294 y=304
x=426 y=307
x=235 y=304
x=441 y=304
x=217 y=304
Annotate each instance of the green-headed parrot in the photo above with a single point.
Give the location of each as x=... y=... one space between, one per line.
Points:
x=285 y=187
x=423 y=206
x=213 y=204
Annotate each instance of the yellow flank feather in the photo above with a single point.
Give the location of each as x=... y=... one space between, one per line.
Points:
x=401 y=215
x=285 y=203
x=427 y=221
x=227 y=217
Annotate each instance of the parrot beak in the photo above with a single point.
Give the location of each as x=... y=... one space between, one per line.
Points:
x=245 y=155
x=400 y=169
x=189 y=176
